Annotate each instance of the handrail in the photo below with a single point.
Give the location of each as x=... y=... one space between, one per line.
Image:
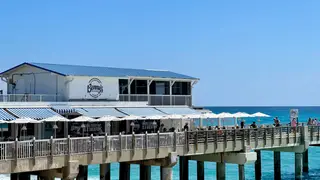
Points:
x=83 y=145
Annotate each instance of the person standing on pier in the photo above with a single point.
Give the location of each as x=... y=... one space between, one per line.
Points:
x=253 y=125
x=242 y=124
x=186 y=127
x=294 y=124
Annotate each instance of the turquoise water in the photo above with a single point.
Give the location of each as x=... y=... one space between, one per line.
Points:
x=287 y=159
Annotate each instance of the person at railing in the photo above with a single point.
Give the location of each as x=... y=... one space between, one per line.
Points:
x=253 y=125
x=242 y=124
x=186 y=127
x=310 y=122
x=294 y=124
x=161 y=127
x=314 y=122
x=209 y=128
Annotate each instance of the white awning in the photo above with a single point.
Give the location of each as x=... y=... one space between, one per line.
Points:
x=141 y=111
x=178 y=110
x=99 y=112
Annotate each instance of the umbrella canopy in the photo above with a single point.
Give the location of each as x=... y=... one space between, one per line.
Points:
x=157 y=117
x=209 y=116
x=175 y=116
x=225 y=115
x=242 y=115
x=109 y=118
x=82 y=119
x=55 y=119
x=3 y=121
x=259 y=114
x=195 y=116
x=23 y=120
x=132 y=118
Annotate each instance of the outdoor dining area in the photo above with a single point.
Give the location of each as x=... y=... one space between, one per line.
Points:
x=58 y=126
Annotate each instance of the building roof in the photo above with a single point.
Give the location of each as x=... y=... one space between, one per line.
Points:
x=78 y=70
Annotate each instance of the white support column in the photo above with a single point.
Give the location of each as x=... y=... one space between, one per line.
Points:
x=130 y=80
x=148 y=89
x=170 y=88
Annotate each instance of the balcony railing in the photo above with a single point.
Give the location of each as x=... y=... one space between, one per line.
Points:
x=154 y=99
x=31 y=98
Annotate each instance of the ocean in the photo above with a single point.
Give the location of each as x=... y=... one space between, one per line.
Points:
x=287 y=159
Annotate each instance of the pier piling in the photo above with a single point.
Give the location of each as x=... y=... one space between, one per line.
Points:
x=166 y=173
x=277 y=165
x=45 y=178
x=124 y=171
x=145 y=172
x=221 y=171
x=105 y=172
x=241 y=172
x=20 y=176
x=200 y=170
x=306 y=161
x=83 y=173
x=298 y=165
x=257 y=165
x=184 y=168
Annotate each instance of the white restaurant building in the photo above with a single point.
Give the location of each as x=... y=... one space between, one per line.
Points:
x=39 y=91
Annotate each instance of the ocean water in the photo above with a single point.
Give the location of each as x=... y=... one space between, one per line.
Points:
x=287 y=159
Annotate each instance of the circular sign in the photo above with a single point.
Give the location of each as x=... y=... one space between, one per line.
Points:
x=95 y=88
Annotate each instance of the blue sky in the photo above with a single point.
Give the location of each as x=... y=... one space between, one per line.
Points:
x=244 y=52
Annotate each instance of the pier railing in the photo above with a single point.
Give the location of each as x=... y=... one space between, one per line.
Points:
x=84 y=145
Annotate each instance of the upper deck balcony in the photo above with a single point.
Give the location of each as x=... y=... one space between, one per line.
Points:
x=38 y=82
x=151 y=99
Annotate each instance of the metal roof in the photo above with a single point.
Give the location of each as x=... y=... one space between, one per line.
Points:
x=143 y=111
x=178 y=110
x=4 y=115
x=34 y=113
x=63 y=109
x=99 y=112
x=78 y=70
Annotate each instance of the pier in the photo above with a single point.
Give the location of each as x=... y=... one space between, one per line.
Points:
x=68 y=158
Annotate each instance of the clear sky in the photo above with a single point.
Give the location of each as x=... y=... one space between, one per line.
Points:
x=244 y=52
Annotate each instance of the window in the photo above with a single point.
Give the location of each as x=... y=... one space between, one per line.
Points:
x=181 y=88
x=123 y=86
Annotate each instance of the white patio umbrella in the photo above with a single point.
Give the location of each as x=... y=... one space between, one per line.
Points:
x=133 y=117
x=194 y=116
x=3 y=121
x=209 y=116
x=224 y=115
x=23 y=120
x=55 y=119
x=109 y=118
x=82 y=119
x=176 y=116
x=157 y=117
x=240 y=115
x=259 y=114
